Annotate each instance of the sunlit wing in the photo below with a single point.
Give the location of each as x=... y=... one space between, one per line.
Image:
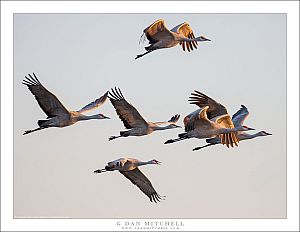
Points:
x=185 y=30
x=228 y=138
x=157 y=31
x=142 y=182
x=46 y=100
x=95 y=104
x=239 y=117
x=127 y=113
x=215 y=109
x=197 y=120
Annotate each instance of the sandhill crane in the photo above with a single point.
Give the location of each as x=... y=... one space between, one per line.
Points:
x=58 y=115
x=238 y=119
x=129 y=168
x=212 y=119
x=160 y=36
x=132 y=119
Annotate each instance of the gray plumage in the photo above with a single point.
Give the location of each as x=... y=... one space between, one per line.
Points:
x=238 y=119
x=132 y=120
x=159 y=36
x=129 y=168
x=57 y=114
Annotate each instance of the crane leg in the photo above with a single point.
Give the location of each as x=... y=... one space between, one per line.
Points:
x=114 y=137
x=207 y=145
x=174 y=140
x=139 y=56
x=100 y=170
x=30 y=131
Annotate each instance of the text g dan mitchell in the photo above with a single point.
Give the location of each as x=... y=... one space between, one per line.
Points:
x=150 y=224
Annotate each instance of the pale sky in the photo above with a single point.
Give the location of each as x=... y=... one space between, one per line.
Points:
x=80 y=56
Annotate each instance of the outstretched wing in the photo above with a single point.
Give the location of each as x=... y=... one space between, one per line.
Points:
x=130 y=117
x=239 y=117
x=142 y=182
x=228 y=138
x=185 y=30
x=46 y=100
x=215 y=109
x=173 y=120
x=197 y=120
x=95 y=104
x=157 y=31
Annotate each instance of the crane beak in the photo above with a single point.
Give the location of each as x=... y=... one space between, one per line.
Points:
x=158 y=162
x=178 y=126
x=105 y=117
x=249 y=128
x=268 y=133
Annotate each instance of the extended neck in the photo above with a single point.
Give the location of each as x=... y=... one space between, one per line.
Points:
x=256 y=135
x=144 y=163
x=183 y=38
x=245 y=136
x=88 y=117
x=162 y=127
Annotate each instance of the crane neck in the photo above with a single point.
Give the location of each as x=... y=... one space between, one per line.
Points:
x=255 y=135
x=156 y=127
x=141 y=163
x=83 y=117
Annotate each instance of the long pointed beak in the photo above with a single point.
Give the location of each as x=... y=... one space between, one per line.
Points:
x=178 y=126
x=158 y=162
x=105 y=117
x=268 y=133
x=249 y=128
x=207 y=40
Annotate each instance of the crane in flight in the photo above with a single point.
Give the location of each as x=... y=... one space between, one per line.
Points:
x=129 y=168
x=160 y=36
x=211 y=120
x=57 y=114
x=238 y=119
x=133 y=121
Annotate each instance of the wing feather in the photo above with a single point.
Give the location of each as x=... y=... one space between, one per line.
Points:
x=173 y=120
x=185 y=30
x=46 y=100
x=130 y=117
x=197 y=120
x=95 y=104
x=215 y=109
x=157 y=31
x=228 y=138
x=143 y=183
x=239 y=117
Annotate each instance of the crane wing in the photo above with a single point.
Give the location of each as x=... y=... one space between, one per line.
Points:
x=239 y=117
x=157 y=31
x=95 y=104
x=46 y=100
x=143 y=183
x=130 y=117
x=197 y=120
x=215 y=109
x=185 y=30
x=173 y=120
x=228 y=138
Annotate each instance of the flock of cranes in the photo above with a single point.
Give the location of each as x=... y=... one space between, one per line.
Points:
x=211 y=121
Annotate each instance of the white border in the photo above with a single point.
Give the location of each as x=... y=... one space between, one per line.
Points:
x=7 y=10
